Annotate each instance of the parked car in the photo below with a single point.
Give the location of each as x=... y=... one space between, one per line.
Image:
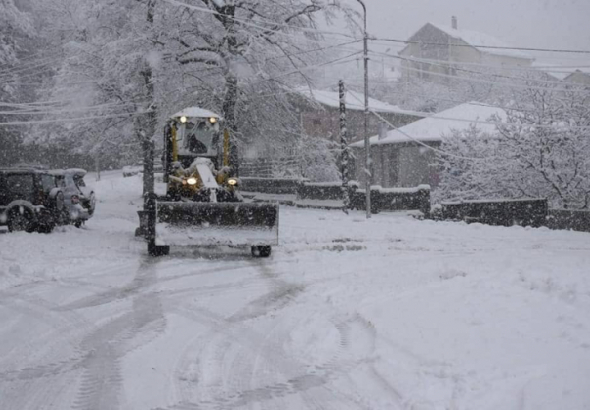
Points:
x=130 y=170
x=80 y=201
x=30 y=200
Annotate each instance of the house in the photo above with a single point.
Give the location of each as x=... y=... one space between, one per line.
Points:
x=320 y=114
x=319 y=117
x=447 y=46
x=579 y=77
x=567 y=73
x=402 y=157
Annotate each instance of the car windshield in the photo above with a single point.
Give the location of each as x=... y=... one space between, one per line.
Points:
x=79 y=180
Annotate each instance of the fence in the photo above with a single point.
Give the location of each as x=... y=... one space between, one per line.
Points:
x=531 y=212
x=270 y=168
x=566 y=219
x=394 y=199
x=279 y=186
x=320 y=191
x=382 y=199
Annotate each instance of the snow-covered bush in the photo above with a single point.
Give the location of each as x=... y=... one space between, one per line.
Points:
x=541 y=150
x=318 y=159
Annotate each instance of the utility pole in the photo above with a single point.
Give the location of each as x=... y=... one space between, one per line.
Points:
x=367 y=145
x=344 y=157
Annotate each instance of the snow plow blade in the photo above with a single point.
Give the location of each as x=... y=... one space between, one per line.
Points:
x=216 y=224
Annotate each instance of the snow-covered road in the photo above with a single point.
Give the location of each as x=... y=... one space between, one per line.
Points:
x=391 y=313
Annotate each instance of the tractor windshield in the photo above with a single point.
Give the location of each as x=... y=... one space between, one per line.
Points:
x=200 y=138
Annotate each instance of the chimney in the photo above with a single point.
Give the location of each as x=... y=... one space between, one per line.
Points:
x=454 y=22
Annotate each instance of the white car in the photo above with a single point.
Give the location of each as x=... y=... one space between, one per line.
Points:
x=130 y=170
x=79 y=199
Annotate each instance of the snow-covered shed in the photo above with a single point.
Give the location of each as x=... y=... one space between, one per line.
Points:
x=402 y=157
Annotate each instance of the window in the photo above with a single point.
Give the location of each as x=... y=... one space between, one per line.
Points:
x=48 y=182
x=20 y=186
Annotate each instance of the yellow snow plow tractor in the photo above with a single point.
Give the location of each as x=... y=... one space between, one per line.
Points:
x=202 y=205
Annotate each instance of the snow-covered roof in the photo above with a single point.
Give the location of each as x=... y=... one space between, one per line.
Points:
x=432 y=128
x=476 y=38
x=354 y=101
x=584 y=72
x=562 y=71
x=196 y=112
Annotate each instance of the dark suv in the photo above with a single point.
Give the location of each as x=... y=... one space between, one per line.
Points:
x=30 y=200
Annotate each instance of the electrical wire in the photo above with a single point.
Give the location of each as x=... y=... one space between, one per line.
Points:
x=266 y=29
x=299 y=71
x=74 y=119
x=473 y=80
x=416 y=140
x=454 y=66
x=496 y=123
x=552 y=50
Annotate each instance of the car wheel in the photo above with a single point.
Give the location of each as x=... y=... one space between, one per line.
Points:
x=261 y=251
x=46 y=223
x=20 y=220
x=92 y=204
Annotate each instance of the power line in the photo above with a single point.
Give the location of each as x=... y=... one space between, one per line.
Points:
x=552 y=50
x=453 y=66
x=110 y=106
x=473 y=80
x=496 y=123
x=74 y=119
x=300 y=69
x=416 y=140
x=248 y=23
x=456 y=66
x=314 y=50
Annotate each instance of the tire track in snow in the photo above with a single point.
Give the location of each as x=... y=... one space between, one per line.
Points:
x=234 y=343
x=101 y=380
x=35 y=386
x=225 y=334
x=307 y=385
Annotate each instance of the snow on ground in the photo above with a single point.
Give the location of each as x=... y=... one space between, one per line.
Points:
x=390 y=313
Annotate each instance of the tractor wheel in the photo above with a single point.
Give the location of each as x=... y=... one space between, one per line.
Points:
x=20 y=220
x=261 y=251
x=155 y=250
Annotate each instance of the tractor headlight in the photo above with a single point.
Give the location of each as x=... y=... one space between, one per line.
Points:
x=213 y=120
x=191 y=181
x=232 y=181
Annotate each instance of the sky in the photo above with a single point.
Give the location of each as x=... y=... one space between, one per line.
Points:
x=522 y=23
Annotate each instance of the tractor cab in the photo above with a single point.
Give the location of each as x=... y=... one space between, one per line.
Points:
x=193 y=133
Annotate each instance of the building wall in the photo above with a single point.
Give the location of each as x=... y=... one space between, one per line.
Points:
x=324 y=122
x=398 y=165
x=452 y=50
x=417 y=166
